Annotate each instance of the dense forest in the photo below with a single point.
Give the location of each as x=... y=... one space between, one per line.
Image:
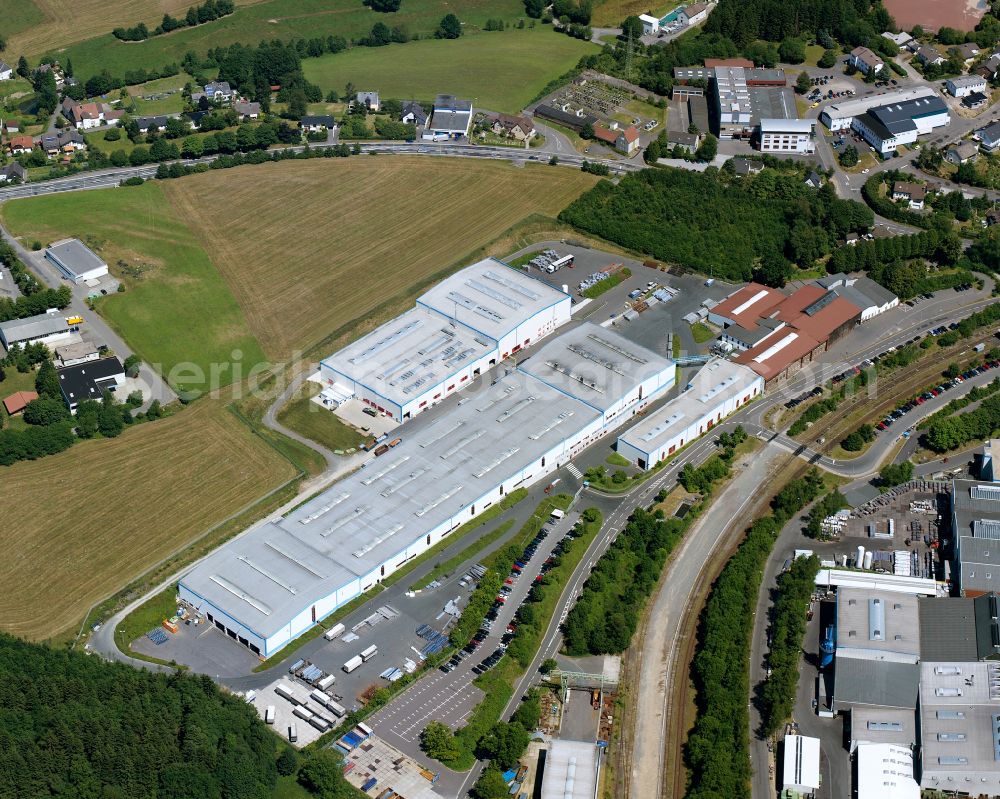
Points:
x=76 y=726
x=853 y=22
x=712 y=222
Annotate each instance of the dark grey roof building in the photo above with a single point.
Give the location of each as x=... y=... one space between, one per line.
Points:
x=565 y=118
x=90 y=380
x=976 y=524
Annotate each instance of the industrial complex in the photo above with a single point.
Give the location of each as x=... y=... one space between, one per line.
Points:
x=272 y=584
x=461 y=327
x=889 y=119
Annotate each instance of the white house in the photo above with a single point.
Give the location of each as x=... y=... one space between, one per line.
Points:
x=928 y=55
x=450 y=118
x=693 y=14
x=6 y=71
x=865 y=61
x=901 y=39
x=962 y=153
x=965 y=85
x=369 y=100
x=989 y=137
x=650 y=25
x=317 y=124
x=219 y=92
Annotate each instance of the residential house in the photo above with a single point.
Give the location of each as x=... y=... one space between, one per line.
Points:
x=967 y=50
x=368 y=99
x=914 y=193
x=520 y=128
x=317 y=124
x=146 y=124
x=199 y=100
x=218 y=92
x=813 y=180
x=194 y=118
x=693 y=14
x=86 y=116
x=13 y=173
x=6 y=71
x=19 y=145
x=413 y=113
x=57 y=73
x=988 y=69
x=965 y=85
x=247 y=110
x=989 y=137
x=450 y=118
x=962 y=153
x=12 y=127
x=747 y=166
x=975 y=100
x=901 y=39
x=66 y=142
x=66 y=107
x=928 y=55
x=684 y=140
x=865 y=61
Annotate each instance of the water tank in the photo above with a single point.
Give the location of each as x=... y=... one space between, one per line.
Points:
x=859 y=558
x=827 y=646
x=869 y=557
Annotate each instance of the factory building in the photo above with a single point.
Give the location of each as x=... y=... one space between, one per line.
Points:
x=717 y=390
x=275 y=582
x=886 y=127
x=76 y=261
x=877 y=650
x=460 y=328
x=960 y=727
x=975 y=509
x=839 y=116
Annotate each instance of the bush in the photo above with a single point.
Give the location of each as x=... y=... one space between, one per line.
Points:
x=895 y=474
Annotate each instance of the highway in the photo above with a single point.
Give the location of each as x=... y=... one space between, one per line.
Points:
x=105 y=178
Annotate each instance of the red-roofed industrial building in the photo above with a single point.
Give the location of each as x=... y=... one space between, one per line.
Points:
x=779 y=334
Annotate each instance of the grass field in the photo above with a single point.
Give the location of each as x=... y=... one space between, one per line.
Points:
x=701 y=333
x=173 y=103
x=13 y=382
x=468 y=67
x=176 y=309
x=610 y=13
x=306 y=417
x=311 y=247
x=92 y=518
x=38 y=26
x=254 y=22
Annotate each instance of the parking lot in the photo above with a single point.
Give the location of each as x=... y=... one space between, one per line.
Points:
x=449 y=695
x=651 y=327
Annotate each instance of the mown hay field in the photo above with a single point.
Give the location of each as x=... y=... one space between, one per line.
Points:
x=37 y=26
x=81 y=525
x=310 y=246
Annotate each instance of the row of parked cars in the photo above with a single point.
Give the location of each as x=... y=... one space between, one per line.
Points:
x=498 y=603
x=902 y=410
x=796 y=401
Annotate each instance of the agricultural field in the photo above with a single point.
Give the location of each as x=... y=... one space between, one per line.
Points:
x=467 y=67
x=334 y=241
x=176 y=310
x=35 y=27
x=80 y=537
x=270 y=19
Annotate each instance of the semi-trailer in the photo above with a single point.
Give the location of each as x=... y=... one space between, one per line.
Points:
x=352 y=664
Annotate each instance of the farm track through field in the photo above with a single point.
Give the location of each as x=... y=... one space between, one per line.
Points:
x=333 y=240
x=94 y=517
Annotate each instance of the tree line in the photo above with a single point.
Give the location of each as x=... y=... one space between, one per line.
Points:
x=787 y=629
x=713 y=221
x=605 y=617
x=717 y=750
x=35 y=299
x=208 y=11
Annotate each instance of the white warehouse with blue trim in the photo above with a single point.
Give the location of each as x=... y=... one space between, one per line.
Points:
x=276 y=581
x=460 y=328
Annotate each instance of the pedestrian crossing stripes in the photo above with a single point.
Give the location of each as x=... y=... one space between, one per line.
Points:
x=574 y=471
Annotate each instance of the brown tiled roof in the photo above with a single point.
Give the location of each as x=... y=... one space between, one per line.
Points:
x=17 y=401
